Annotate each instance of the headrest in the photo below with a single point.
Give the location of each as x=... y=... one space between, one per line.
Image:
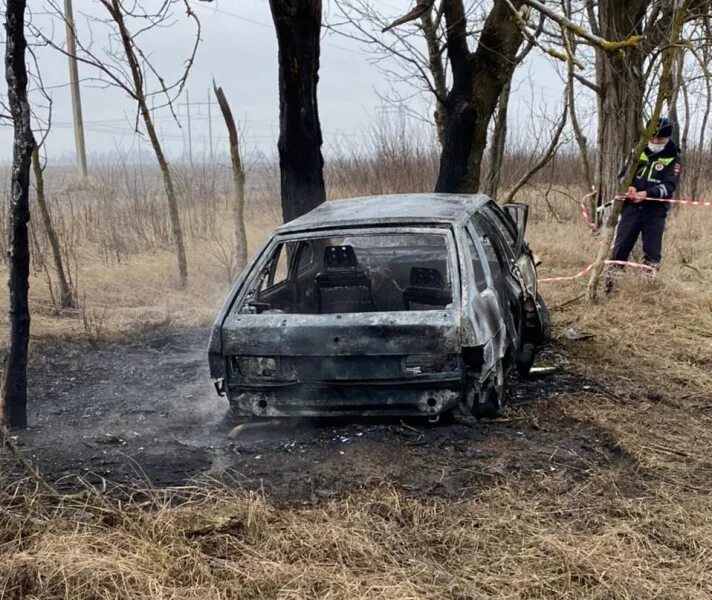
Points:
x=422 y=277
x=339 y=257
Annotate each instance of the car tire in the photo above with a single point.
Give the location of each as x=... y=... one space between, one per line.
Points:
x=545 y=317
x=525 y=359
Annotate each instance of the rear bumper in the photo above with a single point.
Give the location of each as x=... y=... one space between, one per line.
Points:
x=323 y=399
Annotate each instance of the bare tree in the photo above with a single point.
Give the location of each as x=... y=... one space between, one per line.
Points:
x=410 y=58
x=499 y=134
x=622 y=70
x=620 y=86
x=13 y=396
x=66 y=292
x=478 y=79
x=42 y=117
x=125 y=65
x=238 y=174
x=570 y=43
x=298 y=27
x=664 y=95
x=697 y=94
x=430 y=24
x=499 y=142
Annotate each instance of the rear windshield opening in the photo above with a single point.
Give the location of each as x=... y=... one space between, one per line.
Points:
x=353 y=274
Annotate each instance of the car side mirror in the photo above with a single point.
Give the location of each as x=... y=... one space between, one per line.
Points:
x=519 y=214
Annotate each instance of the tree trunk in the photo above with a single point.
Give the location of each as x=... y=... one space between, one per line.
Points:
x=117 y=14
x=14 y=384
x=499 y=140
x=66 y=297
x=570 y=99
x=478 y=81
x=238 y=174
x=693 y=172
x=663 y=95
x=676 y=84
x=176 y=228
x=437 y=70
x=298 y=27
x=620 y=79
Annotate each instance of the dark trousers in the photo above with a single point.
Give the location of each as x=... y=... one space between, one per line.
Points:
x=640 y=220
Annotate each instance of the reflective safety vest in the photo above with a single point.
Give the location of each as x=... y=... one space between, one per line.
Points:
x=651 y=170
x=658 y=174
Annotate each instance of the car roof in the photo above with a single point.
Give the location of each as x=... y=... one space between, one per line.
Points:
x=391 y=209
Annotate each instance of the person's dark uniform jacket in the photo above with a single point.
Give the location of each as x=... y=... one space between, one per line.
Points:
x=658 y=176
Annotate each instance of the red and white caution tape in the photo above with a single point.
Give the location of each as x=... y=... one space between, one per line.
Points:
x=586 y=214
x=705 y=203
x=585 y=271
x=593 y=229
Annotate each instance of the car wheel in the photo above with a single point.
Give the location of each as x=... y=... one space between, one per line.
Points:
x=545 y=316
x=525 y=359
x=492 y=396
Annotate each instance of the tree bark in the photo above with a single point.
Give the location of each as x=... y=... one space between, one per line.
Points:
x=238 y=175
x=14 y=385
x=478 y=80
x=66 y=297
x=499 y=140
x=620 y=79
x=570 y=43
x=437 y=70
x=116 y=11
x=298 y=27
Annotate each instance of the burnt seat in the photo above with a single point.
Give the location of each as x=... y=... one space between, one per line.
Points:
x=343 y=286
x=426 y=289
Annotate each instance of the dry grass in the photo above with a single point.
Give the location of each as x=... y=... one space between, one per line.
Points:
x=640 y=529
x=541 y=537
x=139 y=294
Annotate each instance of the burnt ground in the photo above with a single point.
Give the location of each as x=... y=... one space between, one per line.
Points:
x=145 y=411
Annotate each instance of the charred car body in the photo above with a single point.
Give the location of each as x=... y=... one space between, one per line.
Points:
x=386 y=305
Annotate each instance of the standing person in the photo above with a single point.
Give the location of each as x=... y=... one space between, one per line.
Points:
x=658 y=175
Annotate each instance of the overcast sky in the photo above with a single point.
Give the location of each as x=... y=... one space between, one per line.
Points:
x=238 y=50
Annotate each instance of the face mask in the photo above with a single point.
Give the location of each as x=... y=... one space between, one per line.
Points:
x=655 y=148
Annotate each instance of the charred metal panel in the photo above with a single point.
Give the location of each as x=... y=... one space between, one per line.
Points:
x=215 y=342
x=313 y=400
x=388 y=210
x=352 y=334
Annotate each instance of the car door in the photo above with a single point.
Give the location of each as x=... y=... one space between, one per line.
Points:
x=513 y=234
x=481 y=304
x=507 y=283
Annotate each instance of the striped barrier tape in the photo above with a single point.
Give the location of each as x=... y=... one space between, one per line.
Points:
x=583 y=272
x=593 y=230
x=586 y=214
x=705 y=203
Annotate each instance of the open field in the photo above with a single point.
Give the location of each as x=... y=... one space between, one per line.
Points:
x=596 y=484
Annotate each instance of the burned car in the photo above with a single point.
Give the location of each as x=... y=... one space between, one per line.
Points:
x=386 y=305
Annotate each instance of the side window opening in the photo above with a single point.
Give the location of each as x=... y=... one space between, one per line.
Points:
x=493 y=253
x=501 y=222
x=493 y=260
x=279 y=272
x=480 y=279
x=306 y=256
